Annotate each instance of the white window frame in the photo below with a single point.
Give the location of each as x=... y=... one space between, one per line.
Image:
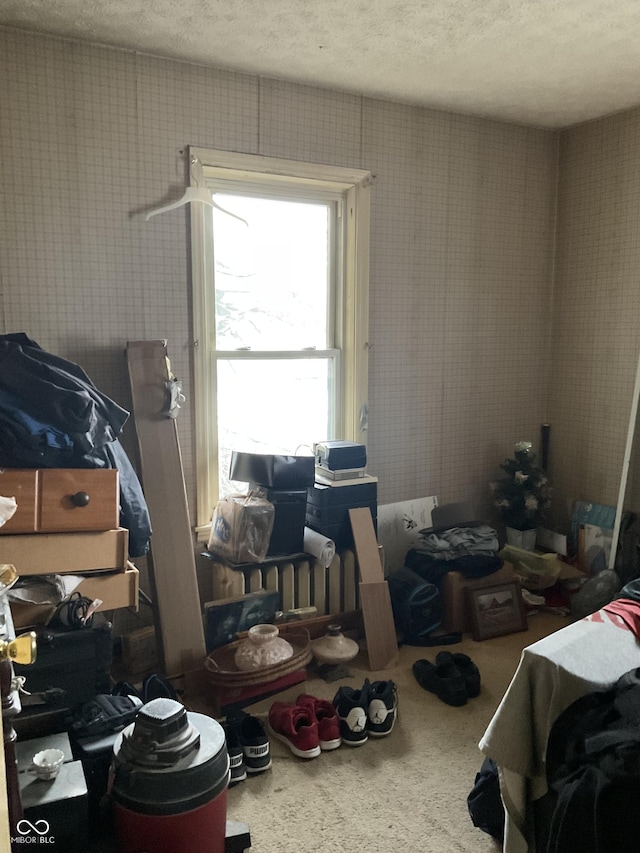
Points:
x=353 y=321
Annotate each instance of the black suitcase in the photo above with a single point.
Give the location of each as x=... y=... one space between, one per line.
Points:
x=72 y=666
x=360 y=494
x=334 y=522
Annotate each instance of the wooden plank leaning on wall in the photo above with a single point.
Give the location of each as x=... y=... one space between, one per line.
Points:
x=172 y=566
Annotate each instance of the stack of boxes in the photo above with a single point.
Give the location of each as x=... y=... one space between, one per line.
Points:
x=341 y=483
x=313 y=491
x=282 y=480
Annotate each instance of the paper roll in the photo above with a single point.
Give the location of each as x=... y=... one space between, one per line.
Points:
x=319 y=546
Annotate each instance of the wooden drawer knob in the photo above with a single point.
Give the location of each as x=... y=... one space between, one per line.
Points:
x=80 y=499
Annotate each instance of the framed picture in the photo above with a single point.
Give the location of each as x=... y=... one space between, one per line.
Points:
x=496 y=610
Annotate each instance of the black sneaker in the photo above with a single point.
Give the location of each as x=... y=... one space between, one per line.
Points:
x=382 y=711
x=351 y=706
x=255 y=744
x=236 y=753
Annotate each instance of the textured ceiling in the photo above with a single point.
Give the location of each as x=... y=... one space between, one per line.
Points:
x=549 y=63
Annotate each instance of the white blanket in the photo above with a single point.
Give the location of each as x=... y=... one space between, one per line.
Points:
x=588 y=655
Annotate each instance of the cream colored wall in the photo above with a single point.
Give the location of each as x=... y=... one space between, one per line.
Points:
x=462 y=238
x=596 y=323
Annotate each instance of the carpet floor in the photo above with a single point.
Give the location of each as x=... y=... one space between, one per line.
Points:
x=406 y=792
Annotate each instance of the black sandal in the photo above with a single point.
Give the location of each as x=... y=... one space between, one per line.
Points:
x=445 y=680
x=467 y=668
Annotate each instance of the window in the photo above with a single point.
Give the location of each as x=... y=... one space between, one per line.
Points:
x=280 y=297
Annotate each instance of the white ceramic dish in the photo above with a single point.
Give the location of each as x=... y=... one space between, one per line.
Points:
x=47 y=762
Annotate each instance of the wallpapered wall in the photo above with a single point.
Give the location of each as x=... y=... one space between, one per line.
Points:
x=465 y=346
x=596 y=326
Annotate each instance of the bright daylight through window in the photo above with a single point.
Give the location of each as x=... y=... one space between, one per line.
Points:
x=280 y=276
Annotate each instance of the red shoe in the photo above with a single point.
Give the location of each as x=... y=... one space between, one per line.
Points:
x=296 y=727
x=326 y=717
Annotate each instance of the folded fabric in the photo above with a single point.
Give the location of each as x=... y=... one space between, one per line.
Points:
x=460 y=541
x=628 y=610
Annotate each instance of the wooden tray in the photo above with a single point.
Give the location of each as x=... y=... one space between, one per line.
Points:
x=222 y=671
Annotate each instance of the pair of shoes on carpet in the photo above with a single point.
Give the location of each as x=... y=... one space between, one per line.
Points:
x=307 y=726
x=371 y=710
x=247 y=744
x=154 y=686
x=454 y=677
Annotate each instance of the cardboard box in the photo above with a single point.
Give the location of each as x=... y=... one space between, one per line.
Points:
x=453 y=588
x=140 y=650
x=66 y=553
x=30 y=615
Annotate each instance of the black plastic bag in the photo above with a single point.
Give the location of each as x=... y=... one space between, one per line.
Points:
x=485 y=803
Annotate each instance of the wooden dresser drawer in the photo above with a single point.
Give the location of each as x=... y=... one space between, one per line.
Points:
x=115 y=590
x=63 y=553
x=78 y=499
x=23 y=486
x=57 y=500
